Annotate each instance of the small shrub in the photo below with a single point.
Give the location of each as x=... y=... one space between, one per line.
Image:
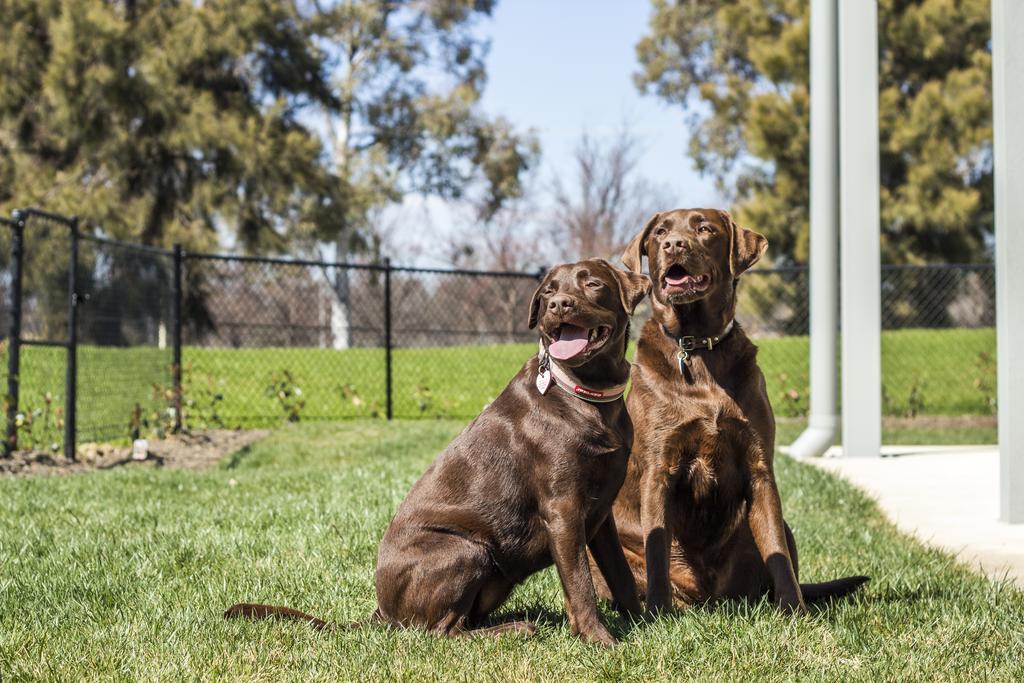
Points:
x=350 y=394
x=41 y=428
x=915 y=404
x=135 y=423
x=423 y=397
x=985 y=382
x=792 y=400
x=201 y=400
x=915 y=400
x=427 y=402
x=287 y=394
x=159 y=422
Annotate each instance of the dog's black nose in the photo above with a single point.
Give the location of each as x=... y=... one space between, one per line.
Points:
x=561 y=304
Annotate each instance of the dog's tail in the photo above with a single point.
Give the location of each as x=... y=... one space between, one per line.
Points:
x=832 y=590
x=250 y=610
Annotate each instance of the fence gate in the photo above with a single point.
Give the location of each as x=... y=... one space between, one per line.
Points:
x=103 y=312
x=44 y=233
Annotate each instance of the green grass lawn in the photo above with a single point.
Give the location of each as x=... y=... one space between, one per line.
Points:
x=927 y=372
x=124 y=574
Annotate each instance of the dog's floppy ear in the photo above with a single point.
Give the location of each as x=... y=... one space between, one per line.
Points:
x=633 y=287
x=535 y=304
x=747 y=247
x=634 y=254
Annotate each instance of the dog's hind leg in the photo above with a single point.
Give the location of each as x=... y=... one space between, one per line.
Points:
x=491 y=594
x=448 y=596
x=791 y=542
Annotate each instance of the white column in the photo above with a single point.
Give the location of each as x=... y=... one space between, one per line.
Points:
x=860 y=290
x=824 y=295
x=1008 y=147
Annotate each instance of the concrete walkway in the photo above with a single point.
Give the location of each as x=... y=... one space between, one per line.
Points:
x=946 y=496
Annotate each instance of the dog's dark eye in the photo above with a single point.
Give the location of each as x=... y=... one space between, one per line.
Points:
x=704 y=228
x=660 y=231
x=595 y=284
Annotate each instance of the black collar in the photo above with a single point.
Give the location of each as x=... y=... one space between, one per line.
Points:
x=690 y=343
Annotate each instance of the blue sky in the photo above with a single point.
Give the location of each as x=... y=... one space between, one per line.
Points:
x=563 y=67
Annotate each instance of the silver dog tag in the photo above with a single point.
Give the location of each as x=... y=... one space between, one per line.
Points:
x=543 y=380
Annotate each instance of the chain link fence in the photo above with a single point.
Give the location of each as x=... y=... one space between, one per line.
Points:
x=125 y=352
x=267 y=340
x=939 y=351
x=232 y=341
x=459 y=337
x=39 y=370
x=772 y=306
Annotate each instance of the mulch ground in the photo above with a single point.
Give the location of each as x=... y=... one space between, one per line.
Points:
x=940 y=422
x=197 y=450
x=920 y=422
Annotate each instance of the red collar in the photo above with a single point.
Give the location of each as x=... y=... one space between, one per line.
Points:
x=549 y=372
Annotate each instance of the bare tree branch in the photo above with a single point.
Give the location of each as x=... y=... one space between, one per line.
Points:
x=610 y=201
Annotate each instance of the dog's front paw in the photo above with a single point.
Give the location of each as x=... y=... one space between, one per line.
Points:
x=632 y=611
x=656 y=610
x=792 y=605
x=598 y=635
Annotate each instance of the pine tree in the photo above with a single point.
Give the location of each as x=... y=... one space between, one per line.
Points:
x=184 y=121
x=740 y=70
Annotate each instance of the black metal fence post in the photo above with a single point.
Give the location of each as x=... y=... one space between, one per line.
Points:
x=71 y=378
x=387 y=337
x=176 y=293
x=14 y=352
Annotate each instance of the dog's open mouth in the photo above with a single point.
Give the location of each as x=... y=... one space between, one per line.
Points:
x=678 y=279
x=569 y=341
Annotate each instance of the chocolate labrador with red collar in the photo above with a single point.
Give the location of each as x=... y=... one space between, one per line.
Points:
x=699 y=514
x=528 y=483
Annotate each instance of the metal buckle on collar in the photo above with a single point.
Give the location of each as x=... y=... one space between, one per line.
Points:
x=690 y=343
x=686 y=344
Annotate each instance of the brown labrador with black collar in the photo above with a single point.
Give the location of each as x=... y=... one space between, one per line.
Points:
x=529 y=483
x=699 y=514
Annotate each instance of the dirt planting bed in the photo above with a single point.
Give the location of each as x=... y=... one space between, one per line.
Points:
x=196 y=450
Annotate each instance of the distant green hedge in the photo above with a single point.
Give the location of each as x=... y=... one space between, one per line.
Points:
x=925 y=372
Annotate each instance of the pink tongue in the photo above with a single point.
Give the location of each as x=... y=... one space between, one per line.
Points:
x=675 y=280
x=571 y=342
